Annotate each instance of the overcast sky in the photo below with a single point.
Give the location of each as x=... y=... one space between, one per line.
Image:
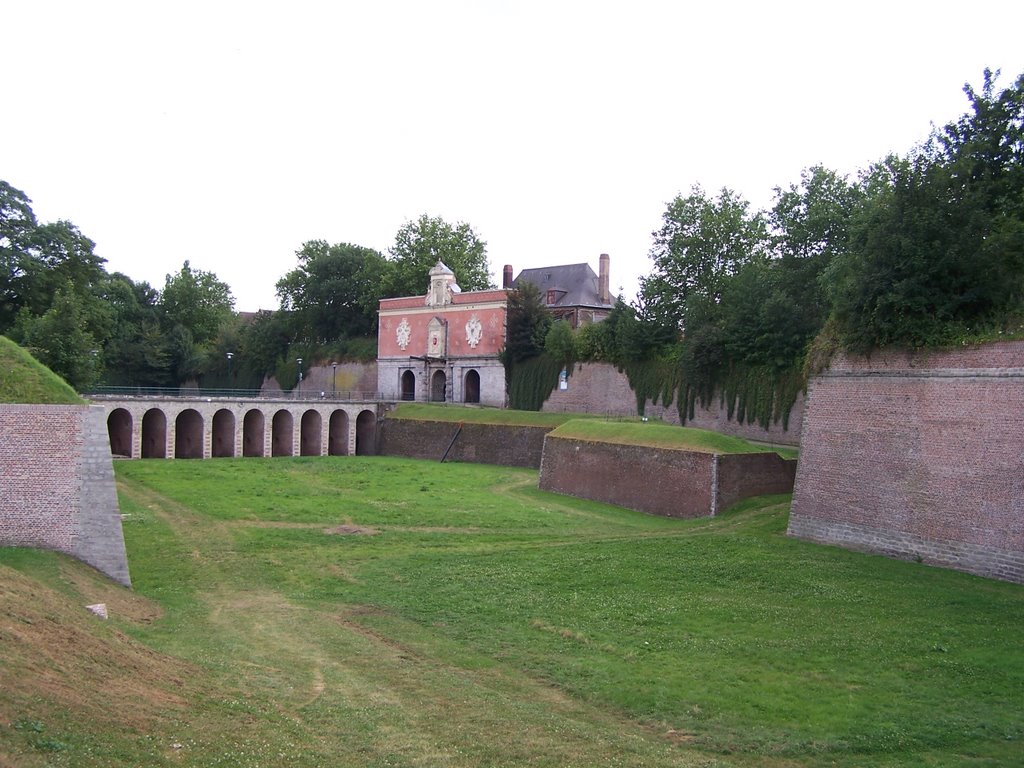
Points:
x=229 y=133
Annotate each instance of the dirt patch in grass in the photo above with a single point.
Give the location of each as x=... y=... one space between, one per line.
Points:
x=350 y=530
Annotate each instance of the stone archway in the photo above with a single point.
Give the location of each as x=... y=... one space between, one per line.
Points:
x=119 y=432
x=223 y=434
x=154 y=434
x=471 y=386
x=310 y=428
x=408 y=386
x=188 y=435
x=282 y=434
x=366 y=434
x=337 y=434
x=438 y=387
x=253 y=432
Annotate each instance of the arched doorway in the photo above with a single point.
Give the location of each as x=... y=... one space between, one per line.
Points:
x=337 y=437
x=154 y=434
x=409 y=386
x=188 y=435
x=471 y=387
x=438 y=387
x=282 y=438
x=223 y=434
x=119 y=431
x=309 y=434
x=252 y=433
x=366 y=434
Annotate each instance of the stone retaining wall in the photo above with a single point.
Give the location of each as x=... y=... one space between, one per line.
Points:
x=58 y=485
x=919 y=456
x=660 y=481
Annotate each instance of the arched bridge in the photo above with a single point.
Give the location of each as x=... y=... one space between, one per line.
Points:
x=201 y=427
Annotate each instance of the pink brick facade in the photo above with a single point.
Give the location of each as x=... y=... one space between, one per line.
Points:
x=442 y=347
x=918 y=456
x=57 y=490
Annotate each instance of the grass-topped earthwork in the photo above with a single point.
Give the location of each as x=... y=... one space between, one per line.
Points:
x=660 y=435
x=23 y=379
x=482 y=415
x=361 y=611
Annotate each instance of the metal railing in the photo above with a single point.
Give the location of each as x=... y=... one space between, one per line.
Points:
x=206 y=393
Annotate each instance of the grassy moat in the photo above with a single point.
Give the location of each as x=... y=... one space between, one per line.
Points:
x=357 y=611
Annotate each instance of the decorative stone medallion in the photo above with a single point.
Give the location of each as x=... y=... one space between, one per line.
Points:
x=474 y=331
x=402 y=333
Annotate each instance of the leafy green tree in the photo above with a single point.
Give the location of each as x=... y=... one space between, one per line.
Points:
x=702 y=242
x=136 y=352
x=60 y=339
x=937 y=248
x=420 y=244
x=194 y=305
x=526 y=325
x=334 y=292
x=17 y=223
x=559 y=343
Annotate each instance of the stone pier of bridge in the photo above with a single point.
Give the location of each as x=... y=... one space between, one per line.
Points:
x=213 y=427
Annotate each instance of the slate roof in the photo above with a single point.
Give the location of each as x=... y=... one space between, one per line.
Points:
x=576 y=282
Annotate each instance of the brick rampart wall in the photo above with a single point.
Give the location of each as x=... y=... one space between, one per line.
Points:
x=600 y=388
x=918 y=456
x=58 y=485
x=660 y=481
x=477 y=443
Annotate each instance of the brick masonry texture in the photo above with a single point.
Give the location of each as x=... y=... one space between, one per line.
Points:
x=658 y=481
x=918 y=456
x=600 y=388
x=476 y=444
x=57 y=490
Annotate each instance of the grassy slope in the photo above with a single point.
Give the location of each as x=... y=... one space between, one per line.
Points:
x=469 y=414
x=23 y=379
x=656 y=435
x=513 y=627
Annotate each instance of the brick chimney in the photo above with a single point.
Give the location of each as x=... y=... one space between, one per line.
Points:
x=602 y=279
x=506 y=279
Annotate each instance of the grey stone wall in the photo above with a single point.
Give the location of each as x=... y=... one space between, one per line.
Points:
x=476 y=443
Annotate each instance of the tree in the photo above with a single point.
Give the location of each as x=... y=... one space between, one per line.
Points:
x=60 y=339
x=193 y=305
x=526 y=325
x=701 y=243
x=936 y=251
x=17 y=222
x=420 y=244
x=197 y=301
x=334 y=292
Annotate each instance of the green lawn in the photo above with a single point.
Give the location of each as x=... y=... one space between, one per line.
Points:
x=370 y=611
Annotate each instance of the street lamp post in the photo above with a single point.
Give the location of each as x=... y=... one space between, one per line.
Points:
x=334 y=380
x=298 y=388
x=231 y=356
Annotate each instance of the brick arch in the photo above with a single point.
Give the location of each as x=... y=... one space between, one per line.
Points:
x=119 y=432
x=282 y=433
x=253 y=431
x=154 y=434
x=310 y=428
x=188 y=434
x=366 y=434
x=337 y=433
x=222 y=443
